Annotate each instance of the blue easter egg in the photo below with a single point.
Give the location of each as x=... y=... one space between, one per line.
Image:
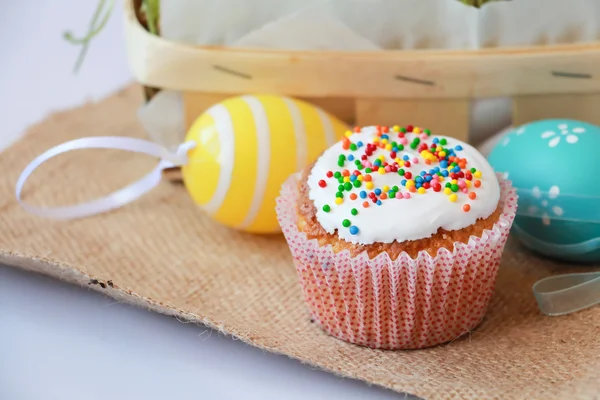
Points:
x=555 y=166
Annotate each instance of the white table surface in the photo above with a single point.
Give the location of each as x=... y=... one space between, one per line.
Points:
x=59 y=341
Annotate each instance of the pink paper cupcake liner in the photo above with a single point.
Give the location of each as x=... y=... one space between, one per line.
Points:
x=408 y=303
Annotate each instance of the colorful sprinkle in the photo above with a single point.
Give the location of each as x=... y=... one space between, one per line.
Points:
x=436 y=168
x=345 y=143
x=353 y=230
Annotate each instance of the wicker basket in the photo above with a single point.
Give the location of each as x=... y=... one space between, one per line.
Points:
x=427 y=87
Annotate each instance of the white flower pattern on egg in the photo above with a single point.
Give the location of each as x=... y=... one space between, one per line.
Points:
x=570 y=135
x=553 y=193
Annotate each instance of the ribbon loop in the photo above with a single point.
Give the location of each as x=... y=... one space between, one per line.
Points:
x=564 y=294
x=116 y=199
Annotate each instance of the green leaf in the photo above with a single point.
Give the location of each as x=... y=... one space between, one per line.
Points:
x=152 y=10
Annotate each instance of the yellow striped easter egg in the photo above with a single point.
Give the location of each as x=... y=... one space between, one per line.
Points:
x=246 y=147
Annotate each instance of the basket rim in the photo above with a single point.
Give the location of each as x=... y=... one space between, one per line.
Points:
x=502 y=71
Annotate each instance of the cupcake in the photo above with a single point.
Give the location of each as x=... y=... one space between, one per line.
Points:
x=397 y=235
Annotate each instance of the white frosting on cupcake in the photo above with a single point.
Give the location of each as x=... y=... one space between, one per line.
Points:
x=416 y=210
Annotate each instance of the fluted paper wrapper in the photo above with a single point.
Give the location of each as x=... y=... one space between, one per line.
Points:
x=403 y=304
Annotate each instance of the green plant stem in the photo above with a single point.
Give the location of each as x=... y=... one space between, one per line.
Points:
x=98 y=22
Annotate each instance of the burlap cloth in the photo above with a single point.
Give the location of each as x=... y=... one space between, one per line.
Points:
x=163 y=254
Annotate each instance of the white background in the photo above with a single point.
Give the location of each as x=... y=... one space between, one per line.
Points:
x=63 y=342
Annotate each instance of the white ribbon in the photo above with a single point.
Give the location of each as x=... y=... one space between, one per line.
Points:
x=565 y=294
x=132 y=192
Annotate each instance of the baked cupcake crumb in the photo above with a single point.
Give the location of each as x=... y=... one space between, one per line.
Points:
x=308 y=223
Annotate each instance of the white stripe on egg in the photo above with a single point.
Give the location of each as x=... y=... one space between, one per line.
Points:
x=224 y=128
x=263 y=158
x=327 y=127
x=300 y=132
